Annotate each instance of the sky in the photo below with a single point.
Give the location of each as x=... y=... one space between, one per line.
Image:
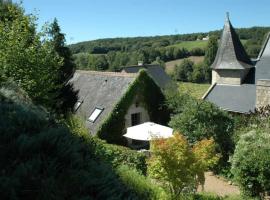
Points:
x=83 y=20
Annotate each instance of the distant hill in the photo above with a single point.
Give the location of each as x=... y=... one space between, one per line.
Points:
x=135 y=43
x=111 y=53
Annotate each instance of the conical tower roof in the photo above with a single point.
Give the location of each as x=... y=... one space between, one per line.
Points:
x=231 y=53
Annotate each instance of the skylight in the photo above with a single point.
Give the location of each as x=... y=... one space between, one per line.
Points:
x=95 y=114
x=77 y=105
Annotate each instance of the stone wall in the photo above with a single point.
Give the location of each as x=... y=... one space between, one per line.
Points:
x=262 y=93
x=228 y=77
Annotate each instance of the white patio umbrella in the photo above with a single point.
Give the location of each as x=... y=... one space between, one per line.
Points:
x=148 y=131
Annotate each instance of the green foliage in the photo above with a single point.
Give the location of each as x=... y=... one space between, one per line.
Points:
x=211 y=51
x=251 y=161
x=111 y=154
x=28 y=57
x=140 y=185
x=66 y=97
x=196 y=90
x=43 y=159
x=179 y=167
x=146 y=91
x=198 y=119
x=183 y=72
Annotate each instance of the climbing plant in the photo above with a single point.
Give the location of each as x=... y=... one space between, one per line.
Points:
x=152 y=99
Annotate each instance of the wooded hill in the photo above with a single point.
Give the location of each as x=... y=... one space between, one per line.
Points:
x=109 y=54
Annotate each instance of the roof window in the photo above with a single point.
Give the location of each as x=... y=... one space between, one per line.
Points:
x=95 y=114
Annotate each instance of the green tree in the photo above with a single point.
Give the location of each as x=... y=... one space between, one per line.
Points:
x=210 y=54
x=198 y=119
x=31 y=62
x=66 y=98
x=183 y=72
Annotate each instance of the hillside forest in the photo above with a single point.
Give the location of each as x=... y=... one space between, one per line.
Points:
x=112 y=54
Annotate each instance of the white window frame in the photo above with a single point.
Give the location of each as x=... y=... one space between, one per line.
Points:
x=95 y=114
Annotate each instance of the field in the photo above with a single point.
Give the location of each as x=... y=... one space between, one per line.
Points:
x=189 y=45
x=169 y=66
x=194 y=89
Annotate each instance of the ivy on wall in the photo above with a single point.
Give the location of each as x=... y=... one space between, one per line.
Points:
x=149 y=95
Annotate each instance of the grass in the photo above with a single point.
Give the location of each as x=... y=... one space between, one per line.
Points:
x=189 y=45
x=194 y=89
x=169 y=66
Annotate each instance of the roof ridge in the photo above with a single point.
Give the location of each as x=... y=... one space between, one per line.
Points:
x=117 y=74
x=145 y=65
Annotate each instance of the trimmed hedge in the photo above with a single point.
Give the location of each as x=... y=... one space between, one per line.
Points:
x=149 y=93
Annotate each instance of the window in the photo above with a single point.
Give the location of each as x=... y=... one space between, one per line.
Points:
x=135 y=119
x=77 y=105
x=95 y=114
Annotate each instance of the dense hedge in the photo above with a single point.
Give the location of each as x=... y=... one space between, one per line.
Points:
x=147 y=92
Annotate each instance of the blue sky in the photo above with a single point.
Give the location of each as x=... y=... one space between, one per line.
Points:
x=83 y=20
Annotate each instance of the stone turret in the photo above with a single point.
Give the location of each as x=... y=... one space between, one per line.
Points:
x=232 y=63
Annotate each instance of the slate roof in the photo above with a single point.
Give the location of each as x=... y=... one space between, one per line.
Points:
x=99 y=90
x=231 y=53
x=155 y=71
x=242 y=98
x=263 y=63
x=236 y=98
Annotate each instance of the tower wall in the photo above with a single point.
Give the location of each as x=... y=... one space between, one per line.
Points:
x=229 y=77
x=262 y=93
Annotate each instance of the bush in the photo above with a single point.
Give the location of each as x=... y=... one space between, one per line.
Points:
x=251 y=161
x=113 y=155
x=201 y=119
x=42 y=159
x=140 y=185
x=179 y=167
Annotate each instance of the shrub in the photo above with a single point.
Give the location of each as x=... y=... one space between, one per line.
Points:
x=114 y=155
x=140 y=185
x=201 y=119
x=251 y=161
x=179 y=167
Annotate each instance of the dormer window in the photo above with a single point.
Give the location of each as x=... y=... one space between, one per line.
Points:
x=95 y=114
x=77 y=105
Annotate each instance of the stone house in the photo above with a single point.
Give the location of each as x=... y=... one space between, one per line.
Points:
x=239 y=84
x=99 y=93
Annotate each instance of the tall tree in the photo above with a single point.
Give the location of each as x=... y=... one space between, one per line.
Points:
x=26 y=58
x=67 y=97
x=210 y=54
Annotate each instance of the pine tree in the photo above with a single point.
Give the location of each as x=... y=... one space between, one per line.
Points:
x=67 y=96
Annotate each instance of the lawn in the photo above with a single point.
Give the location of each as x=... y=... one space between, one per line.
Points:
x=194 y=89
